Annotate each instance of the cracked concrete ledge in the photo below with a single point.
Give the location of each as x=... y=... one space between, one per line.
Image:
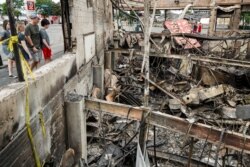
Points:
x=50 y=79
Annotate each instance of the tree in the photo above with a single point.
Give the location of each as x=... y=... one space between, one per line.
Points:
x=17 y=6
x=56 y=9
x=48 y=7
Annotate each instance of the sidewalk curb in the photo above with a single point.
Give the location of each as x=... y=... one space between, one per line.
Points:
x=3 y=66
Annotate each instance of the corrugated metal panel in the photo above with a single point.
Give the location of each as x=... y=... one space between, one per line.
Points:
x=182 y=26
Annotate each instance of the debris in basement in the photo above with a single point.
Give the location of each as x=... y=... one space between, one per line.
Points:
x=189 y=79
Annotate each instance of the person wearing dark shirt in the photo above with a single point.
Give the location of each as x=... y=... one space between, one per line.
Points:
x=33 y=39
x=45 y=40
x=195 y=28
x=22 y=42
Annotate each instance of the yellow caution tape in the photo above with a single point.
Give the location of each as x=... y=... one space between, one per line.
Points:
x=27 y=71
x=12 y=40
x=42 y=124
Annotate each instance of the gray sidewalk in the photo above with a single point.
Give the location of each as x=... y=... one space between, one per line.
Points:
x=56 y=37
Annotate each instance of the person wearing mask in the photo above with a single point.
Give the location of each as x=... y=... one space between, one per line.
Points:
x=33 y=39
x=11 y=58
x=45 y=40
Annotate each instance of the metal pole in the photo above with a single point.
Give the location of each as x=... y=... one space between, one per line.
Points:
x=1 y=61
x=165 y=14
x=14 y=33
x=144 y=126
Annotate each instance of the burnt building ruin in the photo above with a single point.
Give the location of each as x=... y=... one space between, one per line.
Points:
x=138 y=86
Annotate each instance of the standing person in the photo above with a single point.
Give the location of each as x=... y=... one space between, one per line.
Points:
x=11 y=58
x=199 y=27
x=33 y=39
x=195 y=27
x=22 y=42
x=45 y=40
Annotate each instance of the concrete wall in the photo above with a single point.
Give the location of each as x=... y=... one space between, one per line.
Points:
x=46 y=96
x=82 y=24
x=52 y=83
x=102 y=20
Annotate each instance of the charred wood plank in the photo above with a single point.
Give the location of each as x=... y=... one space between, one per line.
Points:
x=209 y=38
x=194 y=36
x=172 y=95
x=230 y=139
x=230 y=62
x=121 y=110
x=200 y=131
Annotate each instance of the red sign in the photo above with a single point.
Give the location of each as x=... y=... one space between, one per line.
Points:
x=30 y=5
x=182 y=26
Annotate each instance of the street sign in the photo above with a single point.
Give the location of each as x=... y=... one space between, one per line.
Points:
x=30 y=7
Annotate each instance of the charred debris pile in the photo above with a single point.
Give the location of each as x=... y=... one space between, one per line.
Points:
x=196 y=78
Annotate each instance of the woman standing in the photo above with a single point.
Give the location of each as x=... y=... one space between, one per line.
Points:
x=11 y=58
x=22 y=42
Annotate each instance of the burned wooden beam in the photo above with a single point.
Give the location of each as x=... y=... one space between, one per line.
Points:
x=121 y=110
x=170 y=94
x=200 y=131
x=230 y=139
x=208 y=38
x=230 y=62
x=194 y=36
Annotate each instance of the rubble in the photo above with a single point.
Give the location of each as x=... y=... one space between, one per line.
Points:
x=211 y=96
x=243 y=112
x=198 y=99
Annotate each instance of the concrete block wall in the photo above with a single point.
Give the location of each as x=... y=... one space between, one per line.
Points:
x=46 y=94
x=70 y=73
x=82 y=23
x=103 y=26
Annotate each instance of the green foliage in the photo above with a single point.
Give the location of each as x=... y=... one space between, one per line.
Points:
x=48 y=7
x=246 y=17
x=56 y=9
x=17 y=6
x=131 y=20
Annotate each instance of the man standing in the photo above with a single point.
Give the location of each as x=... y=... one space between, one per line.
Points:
x=199 y=28
x=32 y=35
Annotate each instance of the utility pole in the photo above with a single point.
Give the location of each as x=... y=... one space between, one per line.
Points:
x=15 y=46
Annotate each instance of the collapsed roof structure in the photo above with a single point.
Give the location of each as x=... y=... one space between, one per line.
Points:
x=195 y=84
x=149 y=93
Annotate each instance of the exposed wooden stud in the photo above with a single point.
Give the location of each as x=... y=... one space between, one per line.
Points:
x=230 y=62
x=200 y=131
x=117 y=109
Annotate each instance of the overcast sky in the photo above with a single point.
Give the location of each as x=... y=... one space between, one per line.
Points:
x=2 y=1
